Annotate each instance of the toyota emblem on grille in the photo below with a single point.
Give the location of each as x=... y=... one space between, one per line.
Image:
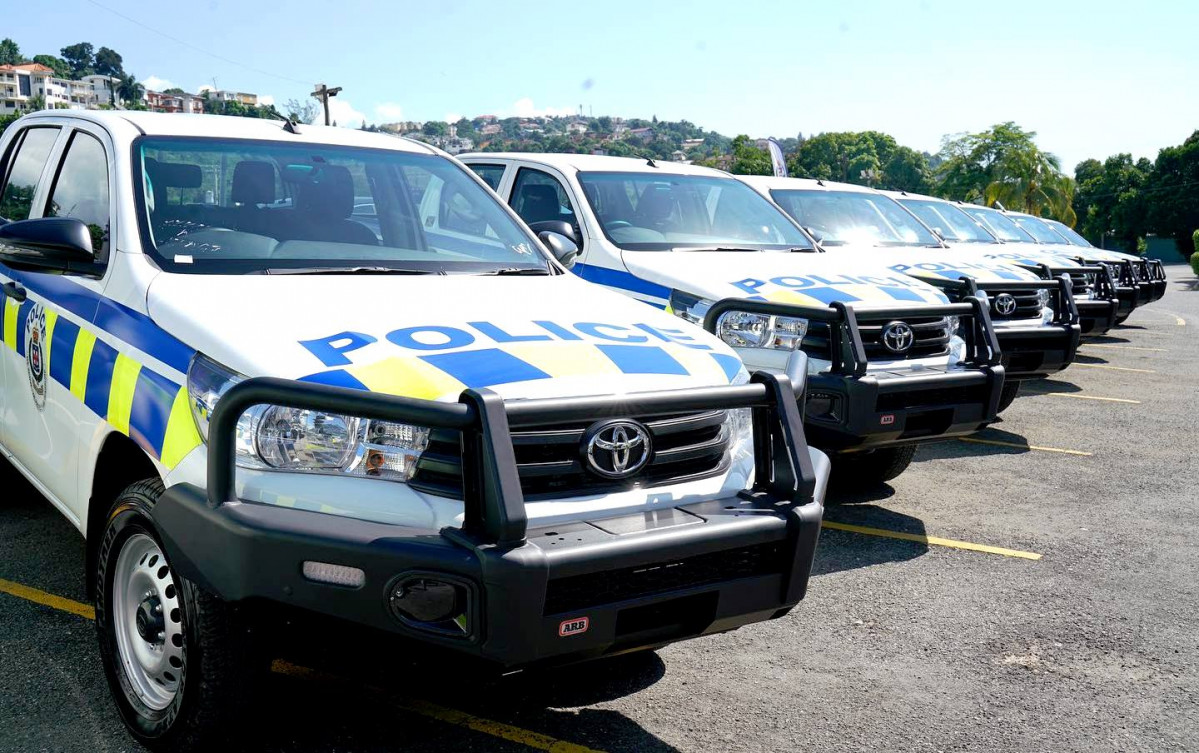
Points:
x=1005 y=304
x=898 y=337
x=616 y=449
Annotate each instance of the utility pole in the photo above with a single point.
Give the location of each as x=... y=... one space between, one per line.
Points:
x=323 y=93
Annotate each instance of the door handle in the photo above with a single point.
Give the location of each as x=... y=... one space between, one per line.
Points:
x=14 y=291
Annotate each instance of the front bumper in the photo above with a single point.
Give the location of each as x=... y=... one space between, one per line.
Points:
x=1096 y=317
x=851 y=407
x=528 y=596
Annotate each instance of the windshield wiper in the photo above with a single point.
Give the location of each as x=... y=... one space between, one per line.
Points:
x=347 y=271
x=716 y=248
x=514 y=271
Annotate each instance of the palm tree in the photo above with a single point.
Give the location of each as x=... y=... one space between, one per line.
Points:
x=1030 y=180
x=128 y=89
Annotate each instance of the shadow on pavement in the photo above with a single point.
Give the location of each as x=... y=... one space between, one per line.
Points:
x=1034 y=386
x=958 y=449
x=845 y=550
x=1087 y=358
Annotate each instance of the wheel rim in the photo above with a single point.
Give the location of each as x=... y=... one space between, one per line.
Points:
x=148 y=623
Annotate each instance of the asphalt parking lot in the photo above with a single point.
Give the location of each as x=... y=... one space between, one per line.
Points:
x=1042 y=595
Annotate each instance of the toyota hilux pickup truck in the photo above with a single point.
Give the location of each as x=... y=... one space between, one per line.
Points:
x=1131 y=292
x=1149 y=275
x=1095 y=294
x=891 y=361
x=417 y=427
x=1036 y=321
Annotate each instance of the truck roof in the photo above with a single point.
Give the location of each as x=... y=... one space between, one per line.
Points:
x=118 y=122
x=598 y=163
x=767 y=182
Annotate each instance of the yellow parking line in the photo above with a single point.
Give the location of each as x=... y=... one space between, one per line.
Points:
x=934 y=540
x=1019 y=446
x=1112 y=368
x=1122 y=347
x=47 y=599
x=1077 y=396
x=503 y=731
x=531 y=739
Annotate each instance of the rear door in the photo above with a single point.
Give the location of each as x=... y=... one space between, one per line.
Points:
x=24 y=162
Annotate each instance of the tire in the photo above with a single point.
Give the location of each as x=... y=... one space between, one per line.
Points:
x=1121 y=319
x=1008 y=395
x=180 y=674
x=869 y=469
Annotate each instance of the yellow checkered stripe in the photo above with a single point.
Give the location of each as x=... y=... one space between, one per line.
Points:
x=136 y=401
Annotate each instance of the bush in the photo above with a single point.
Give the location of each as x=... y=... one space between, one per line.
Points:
x=1195 y=262
x=1195 y=240
x=1142 y=246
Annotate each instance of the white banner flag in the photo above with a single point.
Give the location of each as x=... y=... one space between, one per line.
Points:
x=776 y=158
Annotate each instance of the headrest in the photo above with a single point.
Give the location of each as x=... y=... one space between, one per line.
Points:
x=330 y=193
x=174 y=174
x=539 y=203
x=253 y=182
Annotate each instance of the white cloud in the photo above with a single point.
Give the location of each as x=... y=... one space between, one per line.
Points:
x=344 y=114
x=206 y=88
x=453 y=117
x=156 y=84
x=389 y=112
x=523 y=108
x=266 y=100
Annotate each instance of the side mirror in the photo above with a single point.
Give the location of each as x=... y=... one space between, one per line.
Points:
x=560 y=227
x=56 y=245
x=563 y=248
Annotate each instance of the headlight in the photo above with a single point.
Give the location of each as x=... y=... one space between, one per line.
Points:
x=743 y=329
x=298 y=439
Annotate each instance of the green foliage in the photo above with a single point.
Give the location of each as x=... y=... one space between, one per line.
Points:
x=1174 y=210
x=865 y=158
x=61 y=69
x=1195 y=262
x=129 y=89
x=173 y=90
x=435 y=128
x=80 y=57
x=10 y=52
x=1004 y=164
x=108 y=63
x=1111 y=199
x=748 y=159
x=1195 y=240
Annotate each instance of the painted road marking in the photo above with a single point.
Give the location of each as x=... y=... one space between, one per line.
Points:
x=1122 y=347
x=534 y=740
x=503 y=731
x=47 y=599
x=1112 y=368
x=1019 y=446
x=933 y=540
x=1077 y=396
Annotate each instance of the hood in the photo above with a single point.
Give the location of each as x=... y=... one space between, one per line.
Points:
x=808 y=279
x=1024 y=254
x=936 y=264
x=432 y=336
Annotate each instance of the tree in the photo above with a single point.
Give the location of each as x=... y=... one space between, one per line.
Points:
x=36 y=102
x=173 y=90
x=129 y=90
x=80 y=57
x=60 y=67
x=907 y=170
x=108 y=63
x=858 y=157
x=306 y=111
x=10 y=52
x=748 y=159
x=1174 y=186
x=1110 y=199
x=435 y=128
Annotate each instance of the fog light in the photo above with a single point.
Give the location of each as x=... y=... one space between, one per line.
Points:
x=824 y=406
x=334 y=575
x=430 y=603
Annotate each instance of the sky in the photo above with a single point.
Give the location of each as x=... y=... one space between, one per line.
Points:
x=1091 y=78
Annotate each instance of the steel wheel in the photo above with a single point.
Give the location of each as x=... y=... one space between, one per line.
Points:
x=148 y=623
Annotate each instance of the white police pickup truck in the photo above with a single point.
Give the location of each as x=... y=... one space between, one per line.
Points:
x=1094 y=286
x=1036 y=321
x=887 y=367
x=262 y=373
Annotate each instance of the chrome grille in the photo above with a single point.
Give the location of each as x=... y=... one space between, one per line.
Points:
x=931 y=338
x=549 y=458
x=1027 y=306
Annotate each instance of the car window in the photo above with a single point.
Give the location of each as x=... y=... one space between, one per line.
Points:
x=491 y=174
x=840 y=217
x=538 y=197
x=225 y=205
x=81 y=188
x=31 y=155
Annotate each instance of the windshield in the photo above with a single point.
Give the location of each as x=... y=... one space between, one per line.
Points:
x=228 y=206
x=998 y=223
x=952 y=223
x=1071 y=236
x=652 y=212
x=1039 y=230
x=839 y=217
